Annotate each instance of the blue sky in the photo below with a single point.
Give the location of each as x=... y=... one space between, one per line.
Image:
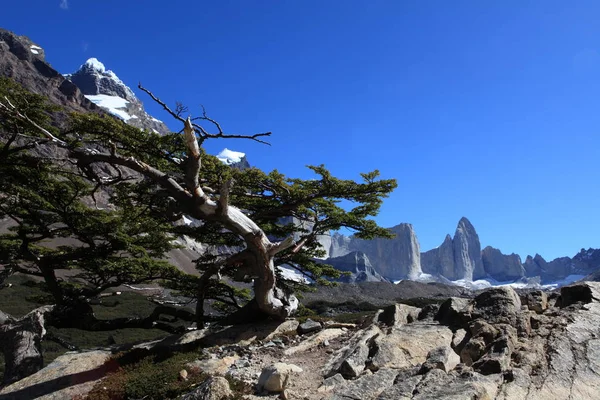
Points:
x=489 y=110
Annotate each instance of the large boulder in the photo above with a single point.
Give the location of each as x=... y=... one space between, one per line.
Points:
x=214 y=388
x=275 y=377
x=71 y=375
x=497 y=305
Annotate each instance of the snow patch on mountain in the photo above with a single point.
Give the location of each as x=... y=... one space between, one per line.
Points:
x=230 y=157
x=35 y=49
x=95 y=64
x=113 y=104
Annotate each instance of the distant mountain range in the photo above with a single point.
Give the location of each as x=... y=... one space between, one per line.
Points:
x=458 y=258
x=94 y=88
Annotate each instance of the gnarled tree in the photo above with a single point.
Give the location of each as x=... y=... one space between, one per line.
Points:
x=258 y=221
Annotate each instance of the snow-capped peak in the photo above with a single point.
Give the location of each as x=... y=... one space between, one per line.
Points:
x=229 y=157
x=95 y=64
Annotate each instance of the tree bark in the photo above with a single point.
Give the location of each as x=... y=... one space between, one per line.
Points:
x=21 y=343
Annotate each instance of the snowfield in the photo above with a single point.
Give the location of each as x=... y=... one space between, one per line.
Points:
x=113 y=104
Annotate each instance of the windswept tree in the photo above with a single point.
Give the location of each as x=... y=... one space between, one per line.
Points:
x=254 y=221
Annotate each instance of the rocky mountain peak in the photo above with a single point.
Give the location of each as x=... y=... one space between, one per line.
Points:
x=234 y=159
x=104 y=88
x=21 y=46
x=467 y=252
x=93 y=78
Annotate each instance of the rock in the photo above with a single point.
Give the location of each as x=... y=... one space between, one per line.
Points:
x=68 y=376
x=350 y=360
x=480 y=328
x=458 y=339
x=398 y=314
x=309 y=326
x=366 y=387
x=454 y=312
x=285 y=327
x=214 y=366
x=408 y=345
x=403 y=389
x=183 y=375
x=334 y=324
x=536 y=300
x=214 y=388
x=584 y=292
x=315 y=341
x=497 y=305
x=331 y=383
x=473 y=350
x=442 y=357
x=274 y=378
x=437 y=385
x=500 y=266
x=428 y=312
x=497 y=359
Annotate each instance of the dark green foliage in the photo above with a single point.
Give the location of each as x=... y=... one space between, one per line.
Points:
x=102 y=225
x=56 y=224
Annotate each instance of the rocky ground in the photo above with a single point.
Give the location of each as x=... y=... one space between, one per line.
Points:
x=497 y=345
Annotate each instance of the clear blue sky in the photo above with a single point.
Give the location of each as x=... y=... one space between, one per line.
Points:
x=489 y=110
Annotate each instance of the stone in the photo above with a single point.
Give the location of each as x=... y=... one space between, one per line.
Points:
x=58 y=380
x=497 y=305
x=497 y=359
x=275 y=377
x=398 y=314
x=454 y=312
x=214 y=388
x=183 y=375
x=536 y=301
x=458 y=339
x=366 y=387
x=584 y=292
x=350 y=360
x=473 y=350
x=408 y=345
x=403 y=389
x=309 y=326
x=314 y=341
x=442 y=357
x=331 y=383
x=213 y=366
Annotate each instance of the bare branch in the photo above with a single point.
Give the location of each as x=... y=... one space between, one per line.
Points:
x=280 y=246
x=13 y=110
x=162 y=103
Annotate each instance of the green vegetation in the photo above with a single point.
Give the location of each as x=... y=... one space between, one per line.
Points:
x=92 y=206
x=152 y=378
x=25 y=294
